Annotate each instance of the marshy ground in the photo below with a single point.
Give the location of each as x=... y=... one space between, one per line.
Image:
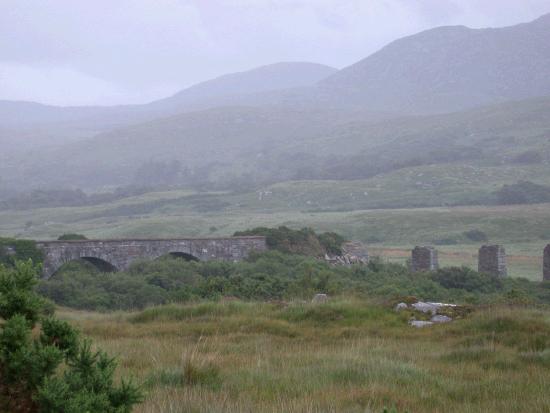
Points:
x=346 y=355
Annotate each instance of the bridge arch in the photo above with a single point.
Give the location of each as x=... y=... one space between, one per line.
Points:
x=184 y=255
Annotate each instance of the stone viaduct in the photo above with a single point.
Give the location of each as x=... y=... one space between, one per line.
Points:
x=114 y=255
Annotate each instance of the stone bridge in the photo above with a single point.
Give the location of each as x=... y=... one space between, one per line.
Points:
x=114 y=255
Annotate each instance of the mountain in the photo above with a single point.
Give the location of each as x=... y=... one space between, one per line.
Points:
x=227 y=88
x=221 y=91
x=448 y=69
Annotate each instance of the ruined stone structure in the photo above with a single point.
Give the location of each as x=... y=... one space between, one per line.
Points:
x=424 y=259
x=546 y=263
x=492 y=260
x=113 y=255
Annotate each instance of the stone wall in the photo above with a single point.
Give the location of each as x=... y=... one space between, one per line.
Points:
x=119 y=254
x=546 y=264
x=424 y=259
x=492 y=260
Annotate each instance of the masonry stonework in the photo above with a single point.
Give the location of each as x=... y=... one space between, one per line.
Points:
x=424 y=259
x=546 y=263
x=119 y=254
x=492 y=260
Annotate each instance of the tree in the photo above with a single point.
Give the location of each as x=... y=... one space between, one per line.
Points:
x=51 y=369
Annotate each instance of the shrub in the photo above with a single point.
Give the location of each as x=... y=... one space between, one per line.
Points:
x=71 y=237
x=50 y=370
x=523 y=192
x=466 y=279
x=476 y=235
x=303 y=241
x=12 y=250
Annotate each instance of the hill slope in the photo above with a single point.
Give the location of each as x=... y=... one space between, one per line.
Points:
x=209 y=94
x=231 y=87
x=276 y=144
x=447 y=69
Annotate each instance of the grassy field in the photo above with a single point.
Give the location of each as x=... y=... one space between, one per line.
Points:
x=391 y=233
x=343 y=356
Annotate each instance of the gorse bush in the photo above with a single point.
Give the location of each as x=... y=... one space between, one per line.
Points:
x=45 y=367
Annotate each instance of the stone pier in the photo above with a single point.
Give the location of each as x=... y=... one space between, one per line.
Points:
x=492 y=260
x=424 y=259
x=546 y=264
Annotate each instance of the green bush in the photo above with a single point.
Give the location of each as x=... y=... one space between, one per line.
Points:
x=523 y=192
x=275 y=276
x=71 y=237
x=303 y=241
x=50 y=369
x=464 y=278
x=476 y=235
x=12 y=250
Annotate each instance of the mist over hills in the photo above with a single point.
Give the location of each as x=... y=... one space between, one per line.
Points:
x=443 y=96
x=221 y=91
x=259 y=146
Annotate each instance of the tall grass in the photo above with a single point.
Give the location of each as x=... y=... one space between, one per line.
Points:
x=343 y=356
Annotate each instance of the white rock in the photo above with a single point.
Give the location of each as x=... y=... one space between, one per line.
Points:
x=320 y=298
x=425 y=307
x=430 y=307
x=420 y=324
x=441 y=319
x=401 y=306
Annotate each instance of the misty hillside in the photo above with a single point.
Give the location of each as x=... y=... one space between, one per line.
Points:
x=266 y=145
x=277 y=76
x=274 y=123
x=447 y=69
x=216 y=92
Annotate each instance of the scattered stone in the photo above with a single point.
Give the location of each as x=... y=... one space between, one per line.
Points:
x=492 y=260
x=401 y=306
x=424 y=259
x=420 y=324
x=440 y=319
x=320 y=298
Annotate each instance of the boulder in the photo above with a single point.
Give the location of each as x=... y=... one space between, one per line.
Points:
x=320 y=298
x=401 y=306
x=440 y=319
x=425 y=307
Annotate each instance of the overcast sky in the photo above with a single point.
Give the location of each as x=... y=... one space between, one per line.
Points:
x=128 y=51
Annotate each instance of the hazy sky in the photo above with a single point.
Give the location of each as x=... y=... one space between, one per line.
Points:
x=123 y=51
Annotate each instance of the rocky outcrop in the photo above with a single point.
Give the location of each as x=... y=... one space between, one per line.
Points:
x=353 y=252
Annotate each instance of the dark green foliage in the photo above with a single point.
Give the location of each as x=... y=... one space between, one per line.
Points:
x=476 y=235
x=464 y=278
x=303 y=241
x=12 y=250
x=276 y=276
x=332 y=242
x=523 y=192
x=67 y=197
x=55 y=371
x=71 y=237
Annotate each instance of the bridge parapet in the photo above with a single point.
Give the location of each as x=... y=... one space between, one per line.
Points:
x=120 y=254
